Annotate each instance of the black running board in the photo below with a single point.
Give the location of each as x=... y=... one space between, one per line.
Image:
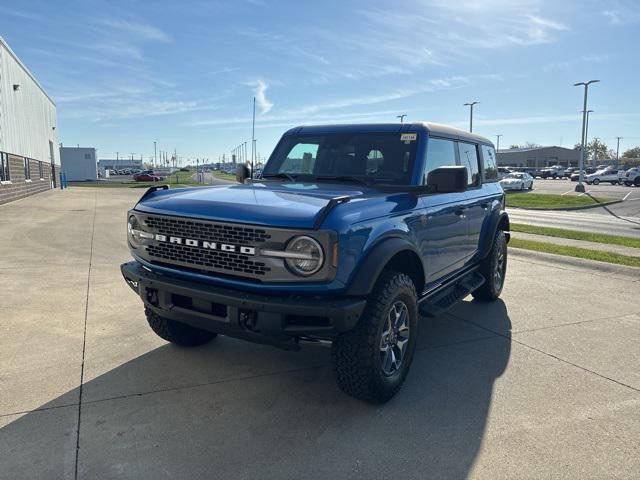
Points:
x=446 y=296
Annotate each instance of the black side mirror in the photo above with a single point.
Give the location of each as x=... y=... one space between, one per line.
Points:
x=447 y=179
x=242 y=173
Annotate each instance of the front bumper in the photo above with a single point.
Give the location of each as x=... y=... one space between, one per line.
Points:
x=272 y=320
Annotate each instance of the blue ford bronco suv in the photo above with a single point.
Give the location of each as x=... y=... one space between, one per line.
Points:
x=352 y=231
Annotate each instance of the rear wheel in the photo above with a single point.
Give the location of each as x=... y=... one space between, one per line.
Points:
x=371 y=361
x=176 y=332
x=636 y=182
x=493 y=268
x=595 y=181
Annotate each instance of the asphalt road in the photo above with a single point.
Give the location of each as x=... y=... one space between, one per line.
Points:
x=544 y=383
x=584 y=220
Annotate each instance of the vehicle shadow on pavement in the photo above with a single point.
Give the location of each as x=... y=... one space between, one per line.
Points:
x=235 y=410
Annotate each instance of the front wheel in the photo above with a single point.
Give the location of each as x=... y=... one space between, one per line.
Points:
x=493 y=268
x=531 y=186
x=595 y=181
x=176 y=332
x=371 y=361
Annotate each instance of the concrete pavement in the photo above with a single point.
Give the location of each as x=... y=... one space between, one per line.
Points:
x=544 y=383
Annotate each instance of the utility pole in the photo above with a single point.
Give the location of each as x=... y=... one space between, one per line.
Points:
x=618 y=148
x=470 y=105
x=586 y=136
x=253 y=136
x=401 y=117
x=580 y=185
x=498 y=142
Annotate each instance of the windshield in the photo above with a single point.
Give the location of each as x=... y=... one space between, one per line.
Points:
x=515 y=175
x=362 y=157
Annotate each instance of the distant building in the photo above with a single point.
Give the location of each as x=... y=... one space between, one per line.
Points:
x=29 y=162
x=79 y=163
x=538 y=157
x=119 y=164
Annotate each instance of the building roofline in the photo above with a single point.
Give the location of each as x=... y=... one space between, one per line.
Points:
x=4 y=44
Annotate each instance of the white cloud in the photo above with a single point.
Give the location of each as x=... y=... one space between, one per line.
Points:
x=260 y=87
x=138 y=29
x=623 y=12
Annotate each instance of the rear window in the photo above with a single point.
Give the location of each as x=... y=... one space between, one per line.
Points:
x=490 y=171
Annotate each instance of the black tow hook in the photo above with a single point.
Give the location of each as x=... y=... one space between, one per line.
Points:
x=249 y=320
x=152 y=296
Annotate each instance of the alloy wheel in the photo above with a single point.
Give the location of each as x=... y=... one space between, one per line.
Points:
x=395 y=338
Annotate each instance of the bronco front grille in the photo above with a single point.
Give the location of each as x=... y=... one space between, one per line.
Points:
x=206 y=259
x=234 y=234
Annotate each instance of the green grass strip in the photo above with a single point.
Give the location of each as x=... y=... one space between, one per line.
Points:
x=576 y=252
x=577 y=235
x=552 y=201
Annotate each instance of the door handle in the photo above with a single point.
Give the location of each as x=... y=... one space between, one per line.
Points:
x=460 y=211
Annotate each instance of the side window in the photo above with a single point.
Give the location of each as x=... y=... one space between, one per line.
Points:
x=40 y=171
x=27 y=169
x=301 y=158
x=4 y=167
x=490 y=172
x=440 y=153
x=469 y=158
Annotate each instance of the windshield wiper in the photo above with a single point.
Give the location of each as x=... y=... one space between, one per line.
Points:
x=347 y=178
x=288 y=176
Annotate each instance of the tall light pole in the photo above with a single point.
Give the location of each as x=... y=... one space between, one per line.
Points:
x=580 y=186
x=253 y=137
x=586 y=130
x=155 y=153
x=618 y=149
x=470 y=105
x=498 y=142
x=401 y=117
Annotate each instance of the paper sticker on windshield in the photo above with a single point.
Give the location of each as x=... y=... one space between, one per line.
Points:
x=408 y=137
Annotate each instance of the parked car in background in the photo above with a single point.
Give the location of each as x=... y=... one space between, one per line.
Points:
x=534 y=172
x=612 y=176
x=147 y=177
x=503 y=172
x=570 y=171
x=632 y=177
x=575 y=176
x=517 y=181
x=554 y=171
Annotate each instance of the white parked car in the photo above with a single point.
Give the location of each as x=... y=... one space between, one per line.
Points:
x=632 y=177
x=517 y=181
x=607 y=175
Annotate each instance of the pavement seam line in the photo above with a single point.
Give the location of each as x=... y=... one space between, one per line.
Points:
x=515 y=332
x=84 y=335
x=584 y=369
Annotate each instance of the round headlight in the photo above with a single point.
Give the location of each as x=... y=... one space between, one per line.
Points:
x=304 y=256
x=136 y=235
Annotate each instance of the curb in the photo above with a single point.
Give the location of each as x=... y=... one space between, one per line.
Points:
x=568 y=209
x=603 y=267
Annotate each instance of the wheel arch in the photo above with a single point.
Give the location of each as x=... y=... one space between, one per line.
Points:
x=499 y=221
x=394 y=253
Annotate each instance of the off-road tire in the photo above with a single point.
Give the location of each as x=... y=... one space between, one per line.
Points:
x=492 y=288
x=176 y=332
x=355 y=355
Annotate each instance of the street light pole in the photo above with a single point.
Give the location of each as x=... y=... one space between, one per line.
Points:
x=586 y=131
x=498 y=142
x=580 y=185
x=470 y=105
x=155 y=153
x=401 y=117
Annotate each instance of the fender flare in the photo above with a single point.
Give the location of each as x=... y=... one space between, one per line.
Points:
x=499 y=217
x=374 y=262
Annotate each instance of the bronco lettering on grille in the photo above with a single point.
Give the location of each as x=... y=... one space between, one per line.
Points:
x=190 y=242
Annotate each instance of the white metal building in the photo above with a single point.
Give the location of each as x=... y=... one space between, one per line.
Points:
x=29 y=159
x=79 y=163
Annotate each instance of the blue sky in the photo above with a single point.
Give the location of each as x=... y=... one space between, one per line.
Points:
x=124 y=74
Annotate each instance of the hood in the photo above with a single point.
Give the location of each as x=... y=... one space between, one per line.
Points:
x=293 y=205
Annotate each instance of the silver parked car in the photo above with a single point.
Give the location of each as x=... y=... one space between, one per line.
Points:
x=517 y=181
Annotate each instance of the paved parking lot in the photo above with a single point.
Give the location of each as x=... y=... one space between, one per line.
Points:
x=542 y=384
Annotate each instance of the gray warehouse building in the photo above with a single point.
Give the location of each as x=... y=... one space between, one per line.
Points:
x=538 y=157
x=79 y=163
x=29 y=163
